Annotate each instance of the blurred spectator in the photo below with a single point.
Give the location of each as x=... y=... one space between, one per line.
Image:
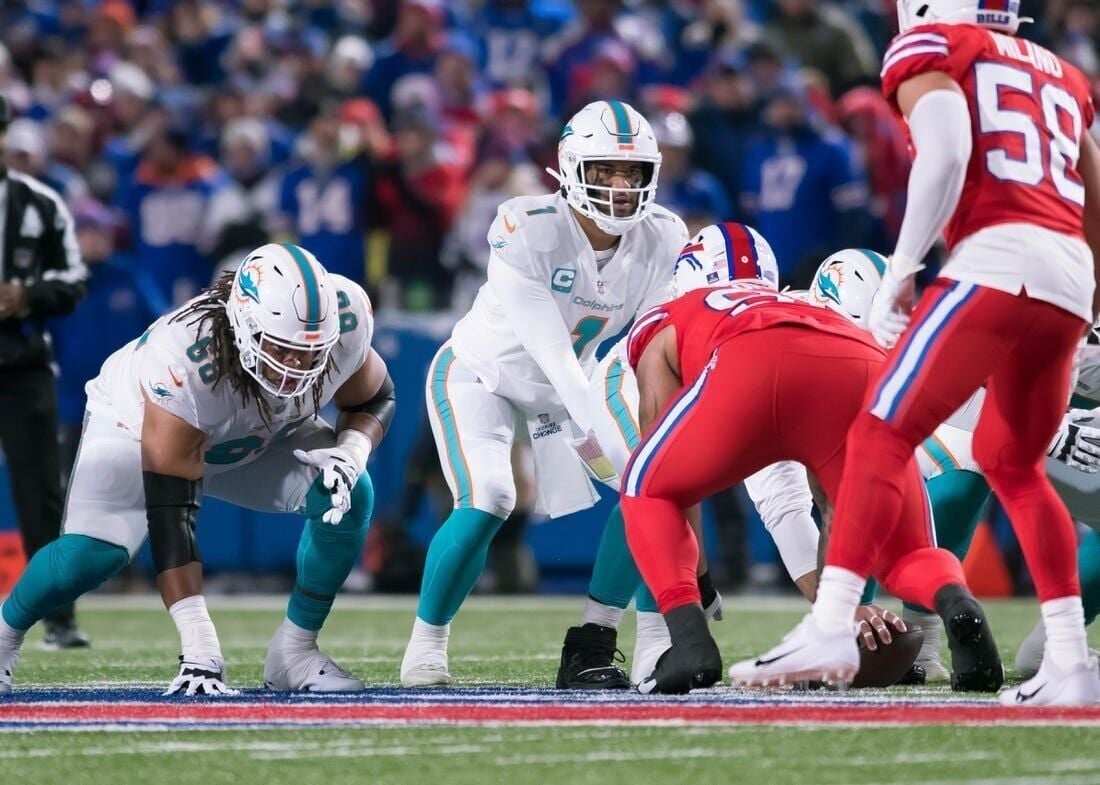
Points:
x=820 y=36
x=73 y=140
x=239 y=214
x=723 y=123
x=324 y=202
x=350 y=59
x=460 y=89
x=134 y=120
x=412 y=49
x=25 y=151
x=718 y=27
x=511 y=33
x=166 y=205
x=626 y=47
x=802 y=188
x=871 y=122
x=110 y=24
x=121 y=302
x=693 y=194
x=497 y=178
x=420 y=191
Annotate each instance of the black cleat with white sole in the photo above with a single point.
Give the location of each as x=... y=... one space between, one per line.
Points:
x=693 y=662
x=588 y=659
x=975 y=661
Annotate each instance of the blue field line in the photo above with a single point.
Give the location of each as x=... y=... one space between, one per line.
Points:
x=494 y=695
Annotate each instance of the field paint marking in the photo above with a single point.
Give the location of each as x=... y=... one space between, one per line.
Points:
x=969 y=780
x=612 y=756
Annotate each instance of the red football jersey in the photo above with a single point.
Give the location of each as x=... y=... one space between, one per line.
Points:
x=1028 y=110
x=706 y=318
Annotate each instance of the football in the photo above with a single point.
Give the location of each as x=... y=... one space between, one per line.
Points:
x=885 y=665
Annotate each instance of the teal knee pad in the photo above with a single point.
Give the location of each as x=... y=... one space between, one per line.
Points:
x=615 y=577
x=327 y=553
x=455 y=561
x=1088 y=564
x=58 y=574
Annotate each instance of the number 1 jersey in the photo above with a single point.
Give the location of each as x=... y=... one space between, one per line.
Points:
x=1028 y=111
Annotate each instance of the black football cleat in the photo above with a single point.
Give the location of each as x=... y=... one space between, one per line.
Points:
x=64 y=635
x=916 y=676
x=588 y=659
x=693 y=662
x=975 y=661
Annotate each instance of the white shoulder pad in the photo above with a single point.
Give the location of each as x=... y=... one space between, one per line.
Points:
x=173 y=369
x=356 y=321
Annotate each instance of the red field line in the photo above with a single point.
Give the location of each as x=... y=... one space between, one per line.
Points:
x=479 y=714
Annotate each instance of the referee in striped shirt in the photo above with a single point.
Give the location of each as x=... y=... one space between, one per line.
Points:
x=41 y=277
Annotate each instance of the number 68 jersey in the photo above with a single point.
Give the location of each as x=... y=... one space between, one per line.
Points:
x=172 y=364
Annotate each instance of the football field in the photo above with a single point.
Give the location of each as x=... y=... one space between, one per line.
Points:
x=96 y=717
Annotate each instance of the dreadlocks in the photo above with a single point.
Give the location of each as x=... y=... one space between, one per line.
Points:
x=210 y=317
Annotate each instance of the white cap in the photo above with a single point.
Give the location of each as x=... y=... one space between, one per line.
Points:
x=129 y=78
x=26 y=136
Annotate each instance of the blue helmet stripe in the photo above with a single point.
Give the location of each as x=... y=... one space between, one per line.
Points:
x=309 y=280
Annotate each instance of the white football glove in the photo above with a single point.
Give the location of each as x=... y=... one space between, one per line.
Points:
x=1077 y=445
x=595 y=459
x=340 y=467
x=200 y=676
x=891 y=307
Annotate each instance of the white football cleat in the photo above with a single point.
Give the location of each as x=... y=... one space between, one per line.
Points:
x=807 y=653
x=1030 y=654
x=651 y=641
x=309 y=670
x=1053 y=686
x=425 y=664
x=8 y=659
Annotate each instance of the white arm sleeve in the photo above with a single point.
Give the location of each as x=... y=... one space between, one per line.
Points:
x=781 y=493
x=940 y=127
x=537 y=322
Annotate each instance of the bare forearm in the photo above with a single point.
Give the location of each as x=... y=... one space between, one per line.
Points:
x=180 y=583
x=366 y=424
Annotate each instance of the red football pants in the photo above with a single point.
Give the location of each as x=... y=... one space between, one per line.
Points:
x=961 y=337
x=784 y=393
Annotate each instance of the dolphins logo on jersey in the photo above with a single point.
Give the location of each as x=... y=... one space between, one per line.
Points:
x=248 y=281
x=160 y=390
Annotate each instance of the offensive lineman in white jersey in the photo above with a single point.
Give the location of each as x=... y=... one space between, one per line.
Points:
x=566 y=271
x=222 y=396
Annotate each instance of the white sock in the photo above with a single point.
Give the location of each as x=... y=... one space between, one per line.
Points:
x=603 y=615
x=198 y=638
x=931 y=625
x=9 y=636
x=652 y=624
x=838 y=595
x=294 y=638
x=433 y=634
x=1064 y=619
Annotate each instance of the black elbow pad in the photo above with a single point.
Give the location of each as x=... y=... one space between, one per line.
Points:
x=171 y=507
x=381 y=406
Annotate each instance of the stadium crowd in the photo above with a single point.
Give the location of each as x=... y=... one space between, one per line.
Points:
x=382 y=134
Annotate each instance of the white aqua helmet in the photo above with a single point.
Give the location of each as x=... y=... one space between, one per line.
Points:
x=283 y=298
x=847 y=282
x=722 y=254
x=1003 y=15
x=607 y=131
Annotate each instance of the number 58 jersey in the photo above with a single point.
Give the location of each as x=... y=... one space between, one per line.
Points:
x=1028 y=110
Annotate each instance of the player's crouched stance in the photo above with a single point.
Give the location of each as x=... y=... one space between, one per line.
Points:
x=734 y=376
x=222 y=395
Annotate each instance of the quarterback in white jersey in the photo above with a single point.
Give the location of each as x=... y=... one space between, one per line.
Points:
x=566 y=271
x=222 y=396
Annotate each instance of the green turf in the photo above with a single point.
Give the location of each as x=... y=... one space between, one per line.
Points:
x=500 y=642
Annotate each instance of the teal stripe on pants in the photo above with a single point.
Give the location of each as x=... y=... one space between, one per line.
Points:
x=442 y=405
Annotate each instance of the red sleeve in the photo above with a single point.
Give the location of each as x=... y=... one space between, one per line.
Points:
x=936 y=47
x=645 y=327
